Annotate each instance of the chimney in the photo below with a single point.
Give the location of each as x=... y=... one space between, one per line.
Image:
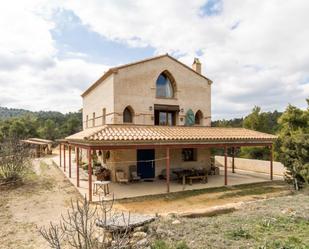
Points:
x=197 y=66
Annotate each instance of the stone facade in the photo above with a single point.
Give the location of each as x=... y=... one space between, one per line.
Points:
x=135 y=86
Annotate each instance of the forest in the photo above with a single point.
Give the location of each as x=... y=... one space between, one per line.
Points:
x=20 y=124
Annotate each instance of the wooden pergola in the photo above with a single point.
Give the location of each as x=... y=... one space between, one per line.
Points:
x=108 y=138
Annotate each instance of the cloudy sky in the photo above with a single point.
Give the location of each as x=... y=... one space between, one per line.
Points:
x=255 y=51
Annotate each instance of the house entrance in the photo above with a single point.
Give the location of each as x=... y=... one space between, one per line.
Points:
x=146 y=163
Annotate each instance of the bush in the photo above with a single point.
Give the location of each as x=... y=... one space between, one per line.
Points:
x=160 y=244
x=14 y=161
x=239 y=233
x=182 y=245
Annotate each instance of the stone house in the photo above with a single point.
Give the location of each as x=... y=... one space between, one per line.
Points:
x=154 y=114
x=157 y=91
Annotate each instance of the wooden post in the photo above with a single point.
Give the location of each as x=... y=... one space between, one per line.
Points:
x=233 y=159
x=89 y=175
x=167 y=170
x=225 y=165
x=77 y=166
x=271 y=161
x=70 y=161
x=64 y=162
x=60 y=155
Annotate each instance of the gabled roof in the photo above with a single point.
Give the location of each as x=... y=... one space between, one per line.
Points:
x=115 y=69
x=131 y=134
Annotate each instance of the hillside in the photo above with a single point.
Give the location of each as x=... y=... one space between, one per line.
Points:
x=6 y=113
x=21 y=123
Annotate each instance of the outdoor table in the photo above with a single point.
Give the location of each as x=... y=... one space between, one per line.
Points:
x=104 y=185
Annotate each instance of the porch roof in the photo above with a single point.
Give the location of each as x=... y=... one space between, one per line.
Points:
x=113 y=134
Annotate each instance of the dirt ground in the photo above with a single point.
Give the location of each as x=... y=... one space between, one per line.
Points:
x=202 y=200
x=42 y=198
x=46 y=194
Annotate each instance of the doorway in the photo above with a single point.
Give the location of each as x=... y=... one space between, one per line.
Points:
x=146 y=163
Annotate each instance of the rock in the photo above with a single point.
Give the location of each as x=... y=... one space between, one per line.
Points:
x=175 y=222
x=160 y=231
x=140 y=235
x=141 y=229
x=142 y=243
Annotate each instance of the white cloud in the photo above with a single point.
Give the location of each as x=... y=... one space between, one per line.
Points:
x=31 y=74
x=256 y=52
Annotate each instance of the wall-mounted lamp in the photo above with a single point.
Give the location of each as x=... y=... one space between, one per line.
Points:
x=150 y=108
x=152 y=118
x=181 y=110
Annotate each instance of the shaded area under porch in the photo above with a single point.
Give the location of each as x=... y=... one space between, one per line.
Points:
x=138 y=189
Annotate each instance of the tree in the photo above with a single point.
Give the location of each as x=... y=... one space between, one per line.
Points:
x=263 y=122
x=49 y=130
x=294 y=144
x=14 y=161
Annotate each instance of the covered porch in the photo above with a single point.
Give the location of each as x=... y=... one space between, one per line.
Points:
x=126 y=137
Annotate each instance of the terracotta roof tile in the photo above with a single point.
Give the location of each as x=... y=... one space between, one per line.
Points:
x=140 y=133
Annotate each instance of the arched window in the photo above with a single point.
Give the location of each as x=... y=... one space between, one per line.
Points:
x=128 y=115
x=165 y=86
x=198 y=117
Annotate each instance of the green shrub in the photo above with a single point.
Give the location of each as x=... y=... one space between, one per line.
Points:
x=239 y=233
x=182 y=245
x=159 y=244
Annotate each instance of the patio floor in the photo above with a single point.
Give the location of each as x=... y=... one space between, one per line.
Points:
x=122 y=191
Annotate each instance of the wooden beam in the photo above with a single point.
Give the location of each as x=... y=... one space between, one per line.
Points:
x=77 y=166
x=225 y=165
x=167 y=170
x=89 y=176
x=70 y=150
x=271 y=161
x=120 y=146
x=64 y=162
x=60 y=153
x=233 y=159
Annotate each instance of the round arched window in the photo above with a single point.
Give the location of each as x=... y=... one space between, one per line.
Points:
x=164 y=86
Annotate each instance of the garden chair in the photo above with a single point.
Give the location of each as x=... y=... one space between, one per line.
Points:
x=121 y=177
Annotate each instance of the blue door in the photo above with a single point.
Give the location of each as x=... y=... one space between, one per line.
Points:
x=146 y=163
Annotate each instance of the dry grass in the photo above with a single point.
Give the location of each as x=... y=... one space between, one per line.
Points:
x=42 y=197
x=281 y=222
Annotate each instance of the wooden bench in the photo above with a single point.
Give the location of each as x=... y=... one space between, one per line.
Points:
x=203 y=178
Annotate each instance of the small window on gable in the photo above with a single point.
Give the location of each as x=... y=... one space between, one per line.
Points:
x=164 y=86
x=198 y=118
x=128 y=115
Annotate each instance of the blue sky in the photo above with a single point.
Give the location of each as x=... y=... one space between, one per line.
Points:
x=73 y=37
x=254 y=51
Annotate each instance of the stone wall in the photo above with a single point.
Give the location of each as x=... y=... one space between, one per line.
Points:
x=94 y=102
x=135 y=86
x=260 y=166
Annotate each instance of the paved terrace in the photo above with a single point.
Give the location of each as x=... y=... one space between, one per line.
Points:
x=137 y=189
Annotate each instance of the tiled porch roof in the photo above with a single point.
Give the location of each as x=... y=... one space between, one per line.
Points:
x=165 y=134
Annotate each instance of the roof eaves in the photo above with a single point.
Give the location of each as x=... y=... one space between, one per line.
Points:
x=99 y=81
